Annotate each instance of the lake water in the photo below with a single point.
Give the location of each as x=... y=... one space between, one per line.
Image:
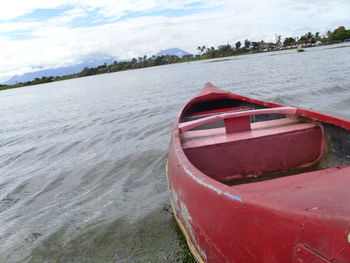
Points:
x=82 y=162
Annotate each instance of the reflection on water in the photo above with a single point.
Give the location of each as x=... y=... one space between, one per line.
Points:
x=82 y=175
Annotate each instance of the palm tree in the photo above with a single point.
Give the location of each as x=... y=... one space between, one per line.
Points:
x=238 y=44
x=309 y=35
x=246 y=43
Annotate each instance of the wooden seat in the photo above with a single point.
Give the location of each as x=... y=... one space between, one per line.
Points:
x=268 y=146
x=199 y=115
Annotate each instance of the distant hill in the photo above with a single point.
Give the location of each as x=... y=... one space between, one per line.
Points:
x=172 y=52
x=91 y=61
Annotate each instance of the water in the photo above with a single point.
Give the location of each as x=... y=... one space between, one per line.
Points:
x=82 y=175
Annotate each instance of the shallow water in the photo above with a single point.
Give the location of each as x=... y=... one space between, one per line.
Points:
x=82 y=175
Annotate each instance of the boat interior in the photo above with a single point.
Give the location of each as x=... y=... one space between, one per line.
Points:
x=237 y=142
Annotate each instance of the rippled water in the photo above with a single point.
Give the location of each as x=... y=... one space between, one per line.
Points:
x=82 y=161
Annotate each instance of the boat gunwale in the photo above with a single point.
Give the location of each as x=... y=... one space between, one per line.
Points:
x=205 y=95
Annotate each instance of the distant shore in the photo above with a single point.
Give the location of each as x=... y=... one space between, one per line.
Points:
x=166 y=60
x=338 y=36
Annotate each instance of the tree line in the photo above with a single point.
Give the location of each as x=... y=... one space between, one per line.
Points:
x=338 y=35
x=239 y=48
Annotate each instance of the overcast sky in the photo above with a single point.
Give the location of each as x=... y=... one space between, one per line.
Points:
x=40 y=34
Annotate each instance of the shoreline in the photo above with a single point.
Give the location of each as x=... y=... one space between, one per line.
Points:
x=45 y=80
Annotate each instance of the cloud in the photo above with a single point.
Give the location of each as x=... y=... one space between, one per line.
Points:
x=18 y=26
x=127 y=29
x=16 y=8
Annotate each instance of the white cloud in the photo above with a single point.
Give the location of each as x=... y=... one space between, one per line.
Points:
x=57 y=43
x=68 y=16
x=18 y=26
x=15 y=8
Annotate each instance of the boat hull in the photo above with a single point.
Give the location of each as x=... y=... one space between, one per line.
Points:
x=258 y=222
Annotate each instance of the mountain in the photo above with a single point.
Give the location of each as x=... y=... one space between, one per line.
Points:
x=172 y=52
x=90 y=61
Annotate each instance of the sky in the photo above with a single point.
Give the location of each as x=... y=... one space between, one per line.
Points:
x=43 y=34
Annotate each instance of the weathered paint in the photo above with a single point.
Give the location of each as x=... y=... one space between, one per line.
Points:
x=186 y=235
x=233 y=197
x=306 y=255
x=276 y=217
x=181 y=213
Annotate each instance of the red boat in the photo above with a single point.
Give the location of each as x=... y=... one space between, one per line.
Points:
x=254 y=181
